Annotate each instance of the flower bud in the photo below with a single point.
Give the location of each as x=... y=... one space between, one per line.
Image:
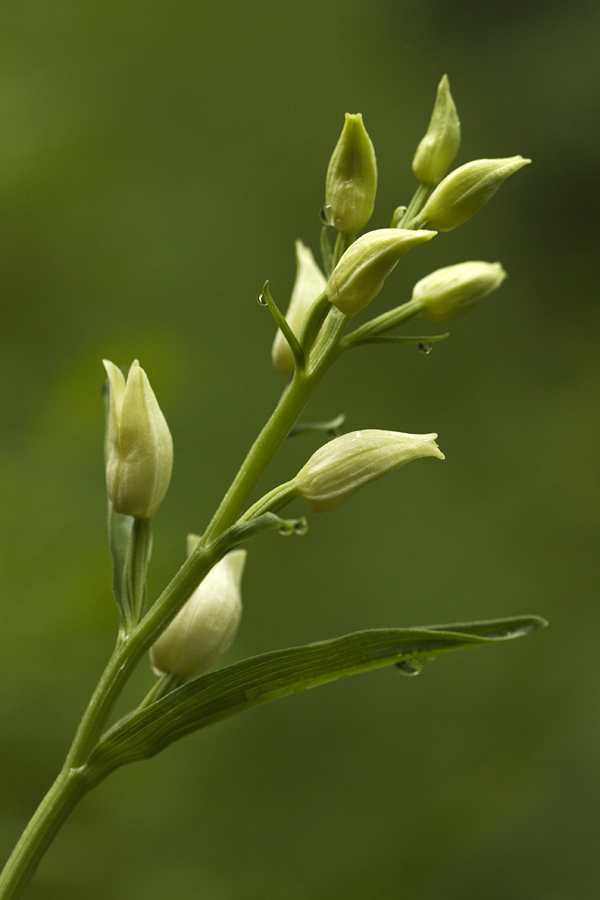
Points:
x=453 y=290
x=465 y=190
x=437 y=150
x=309 y=284
x=203 y=630
x=362 y=270
x=351 y=182
x=340 y=468
x=139 y=447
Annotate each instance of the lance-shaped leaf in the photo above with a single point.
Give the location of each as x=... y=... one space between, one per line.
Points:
x=260 y=679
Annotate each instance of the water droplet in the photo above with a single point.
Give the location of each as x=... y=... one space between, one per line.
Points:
x=335 y=426
x=325 y=215
x=294 y=526
x=262 y=299
x=398 y=213
x=410 y=667
x=425 y=347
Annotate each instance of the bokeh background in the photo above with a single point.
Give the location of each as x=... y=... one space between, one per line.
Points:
x=157 y=161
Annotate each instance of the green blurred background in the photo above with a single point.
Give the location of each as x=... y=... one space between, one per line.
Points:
x=157 y=161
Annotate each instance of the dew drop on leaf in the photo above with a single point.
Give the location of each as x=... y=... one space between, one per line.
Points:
x=409 y=667
x=262 y=300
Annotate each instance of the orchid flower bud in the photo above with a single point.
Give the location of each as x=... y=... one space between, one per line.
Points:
x=139 y=447
x=351 y=182
x=362 y=270
x=437 y=150
x=309 y=284
x=452 y=291
x=465 y=190
x=203 y=630
x=340 y=468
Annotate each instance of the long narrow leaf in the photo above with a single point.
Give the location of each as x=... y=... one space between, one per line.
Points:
x=260 y=679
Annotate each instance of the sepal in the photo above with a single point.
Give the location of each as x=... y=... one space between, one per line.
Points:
x=361 y=272
x=453 y=290
x=343 y=466
x=139 y=447
x=205 y=627
x=437 y=150
x=465 y=191
x=351 y=183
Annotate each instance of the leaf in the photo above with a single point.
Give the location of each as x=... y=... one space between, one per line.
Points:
x=119 y=535
x=419 y=339
x=333 y=428
x=130 y=542
x=260 y=679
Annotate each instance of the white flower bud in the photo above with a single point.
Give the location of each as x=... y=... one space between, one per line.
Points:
x=203 y=630
x=309 y=284
x=453 y=290
x=362 y=270
x=351 y=182
x=139 y=447
x=437 y=150
x=340 y=468
x=465 y=190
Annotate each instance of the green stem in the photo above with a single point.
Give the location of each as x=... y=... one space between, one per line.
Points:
x=130 y=649
x=68 y=789
x=343 y=241
x=61 y=799
x=328 y=344
x=291 y=404
x=419 y=199
x=272 y=502
x=382 y=323
x=317 y=314
x=72 y=784
x=162 y=686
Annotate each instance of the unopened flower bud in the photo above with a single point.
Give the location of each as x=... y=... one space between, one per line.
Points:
x=465 y=190
x=139 y=447
x=453 y=290
x=340 y=468
x=203 y=630
x=362 y=270
x=437 y=150
x=351 y=182
x=309 y=284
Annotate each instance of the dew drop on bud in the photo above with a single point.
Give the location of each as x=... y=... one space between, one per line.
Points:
x=398 y=214
x=262 y=300
x=425 y=347
x=325 y=214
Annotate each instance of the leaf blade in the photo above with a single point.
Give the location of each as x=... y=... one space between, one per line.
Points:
x=260 y=679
